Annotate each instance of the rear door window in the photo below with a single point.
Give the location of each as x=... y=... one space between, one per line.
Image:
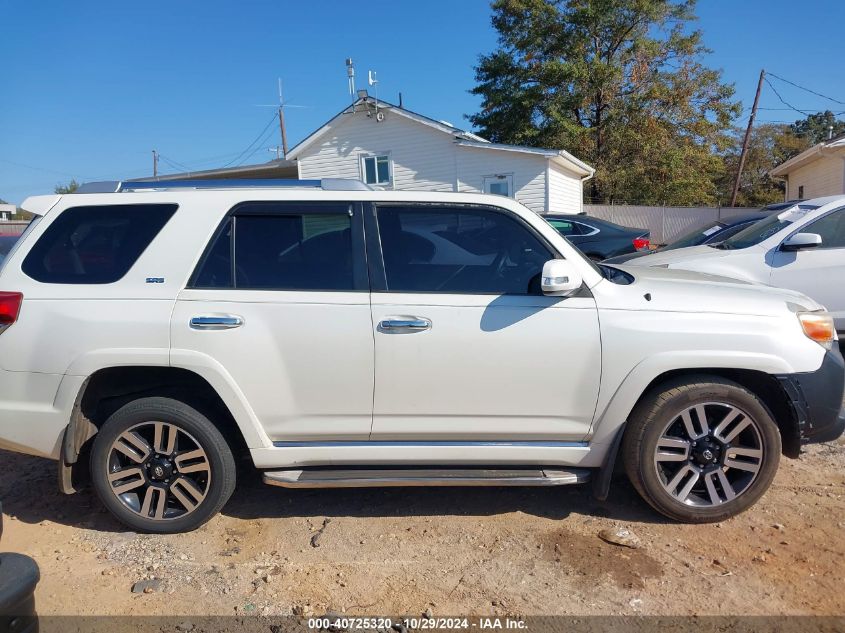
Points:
x=284 y=247
x=95 y=244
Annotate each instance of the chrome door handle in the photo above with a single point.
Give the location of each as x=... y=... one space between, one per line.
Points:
x=216 y=322
x=404 y=324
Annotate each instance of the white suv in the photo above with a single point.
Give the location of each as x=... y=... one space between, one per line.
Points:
x=338 y=336
x=801 y=248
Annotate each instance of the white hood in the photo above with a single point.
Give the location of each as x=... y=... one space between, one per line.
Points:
x=675 y=255
x=689 y=291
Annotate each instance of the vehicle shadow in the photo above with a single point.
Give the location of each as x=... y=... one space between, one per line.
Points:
x=256 y=500
x=29 y=493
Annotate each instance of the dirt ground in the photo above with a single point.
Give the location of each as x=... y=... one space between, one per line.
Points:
x=447 y=551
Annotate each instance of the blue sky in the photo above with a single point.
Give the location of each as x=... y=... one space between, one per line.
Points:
x=88 y=89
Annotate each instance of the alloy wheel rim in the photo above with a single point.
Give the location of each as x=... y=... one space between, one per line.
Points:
x=709 y=454
x=158 y=471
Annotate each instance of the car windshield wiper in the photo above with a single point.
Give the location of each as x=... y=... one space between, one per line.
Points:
x=721 y=246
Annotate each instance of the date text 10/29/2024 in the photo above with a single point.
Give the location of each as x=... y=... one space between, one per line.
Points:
x=406 y=624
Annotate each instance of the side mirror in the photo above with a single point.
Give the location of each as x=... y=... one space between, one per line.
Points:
x=560 y=278
x=800 y=241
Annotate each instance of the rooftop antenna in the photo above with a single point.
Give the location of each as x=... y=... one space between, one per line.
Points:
x=350 y=79
x=281 y=106
x=372 y=80
x=350 y=75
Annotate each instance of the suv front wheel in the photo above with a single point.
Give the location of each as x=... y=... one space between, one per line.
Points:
x=701 y=449
x=161 y=466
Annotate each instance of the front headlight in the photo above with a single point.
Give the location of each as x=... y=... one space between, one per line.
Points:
x=819 y=327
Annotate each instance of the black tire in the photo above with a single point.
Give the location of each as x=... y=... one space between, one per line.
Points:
x=661 y=407
x=220 y=462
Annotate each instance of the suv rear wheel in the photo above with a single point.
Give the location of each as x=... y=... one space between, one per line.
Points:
x=161 y=466
x=701 y=449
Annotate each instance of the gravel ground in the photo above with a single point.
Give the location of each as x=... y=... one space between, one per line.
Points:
x=443 y=551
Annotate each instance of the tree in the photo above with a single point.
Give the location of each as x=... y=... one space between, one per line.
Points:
x=817 y=128
x=68 y=188
x=770 y=145
x=620 y=84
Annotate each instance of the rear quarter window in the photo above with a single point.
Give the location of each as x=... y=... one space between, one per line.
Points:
x=95 y=244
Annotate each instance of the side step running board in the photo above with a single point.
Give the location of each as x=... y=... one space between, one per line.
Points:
x=374 y=478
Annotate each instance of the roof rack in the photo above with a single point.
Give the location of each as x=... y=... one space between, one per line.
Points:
x=120 y=186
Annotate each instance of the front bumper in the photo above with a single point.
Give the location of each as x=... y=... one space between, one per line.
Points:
x=816 y=399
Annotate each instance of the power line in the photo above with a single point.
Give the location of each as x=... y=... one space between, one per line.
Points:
x=261 y=145
x=48 y=171
x=818 y=94
x=790 y=109
x=250 y=146
x=174 y=164
x=212 y=159
x=783 y=101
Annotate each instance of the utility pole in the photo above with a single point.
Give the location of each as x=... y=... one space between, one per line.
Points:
x=280 y=107
x=747 y=138
x=155 y=164
x=282 y=126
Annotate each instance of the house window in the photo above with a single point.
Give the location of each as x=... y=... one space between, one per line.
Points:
x=801 y=192
x=376 y=169
x=500 y=185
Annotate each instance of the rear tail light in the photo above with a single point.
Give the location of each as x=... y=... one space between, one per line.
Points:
x=10 y=307
x=641 y=243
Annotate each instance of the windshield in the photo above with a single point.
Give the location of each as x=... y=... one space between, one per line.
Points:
x=766 y=227
x=694 y=238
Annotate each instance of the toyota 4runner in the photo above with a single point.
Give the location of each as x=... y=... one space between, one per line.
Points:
x=152 y=332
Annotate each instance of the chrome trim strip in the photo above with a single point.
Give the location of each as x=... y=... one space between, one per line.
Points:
x=594 y=230
x=390 y=443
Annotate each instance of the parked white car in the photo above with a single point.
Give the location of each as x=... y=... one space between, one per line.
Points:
x=801 y=248
x=337 y=336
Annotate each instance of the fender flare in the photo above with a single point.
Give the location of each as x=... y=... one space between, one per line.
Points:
x=614 y=414
x=80 y=430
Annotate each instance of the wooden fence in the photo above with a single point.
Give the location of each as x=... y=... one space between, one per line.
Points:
x=13 y=227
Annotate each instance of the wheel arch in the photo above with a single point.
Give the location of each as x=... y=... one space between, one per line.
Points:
x=109 y=388
x=761 y=383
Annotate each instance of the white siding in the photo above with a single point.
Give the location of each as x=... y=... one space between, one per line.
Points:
x=422 y=158
x=822 y=177
x=427 y=159
x=528 y=171
x=565 y=191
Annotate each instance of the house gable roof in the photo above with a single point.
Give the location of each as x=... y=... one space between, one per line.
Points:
x=462 y=137
x=827 y=148
x=441 y=126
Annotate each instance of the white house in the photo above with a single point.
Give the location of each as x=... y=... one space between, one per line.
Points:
x=815 y=172
x=391 y=147
x=6 y=211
